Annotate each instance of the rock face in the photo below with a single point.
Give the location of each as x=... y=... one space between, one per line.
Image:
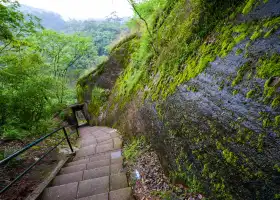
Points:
x=106 y=74
x=219 y=131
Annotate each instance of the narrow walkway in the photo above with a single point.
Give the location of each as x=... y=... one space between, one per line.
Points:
x=95 y=173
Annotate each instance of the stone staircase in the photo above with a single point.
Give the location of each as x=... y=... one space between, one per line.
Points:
x=95 y=173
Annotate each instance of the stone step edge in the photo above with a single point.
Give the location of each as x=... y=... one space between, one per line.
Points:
x=107 y=194
x=83 y=173
x=86 y=180
x=93 y=155
x=88 y=160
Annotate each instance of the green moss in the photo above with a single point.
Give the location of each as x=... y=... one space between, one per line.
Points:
x=235 y=92
x=229 y=156
x=81 y=91
x=260 y=142
x=134 y=148
x=277 y=121
x=269 y=66
x=257 y=34
x=272 y=25
x=192 y=88
x=123 y=41
x=248 y=7
x=250 y=94
x=241 y=73
x=184 y=173
x=276 y=102
x=98 y=98
x=238 y=52
x=277 y=167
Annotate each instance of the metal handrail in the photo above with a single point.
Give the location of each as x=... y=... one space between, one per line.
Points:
x=31 y=145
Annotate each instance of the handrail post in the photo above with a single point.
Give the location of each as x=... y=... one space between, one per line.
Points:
x=77 y=130
x=68 y=141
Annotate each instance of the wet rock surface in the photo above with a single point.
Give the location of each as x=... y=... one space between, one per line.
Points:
x=221 y=134
x=225 y=135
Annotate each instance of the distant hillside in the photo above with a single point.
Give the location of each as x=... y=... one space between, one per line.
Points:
x=50 y=20
x=102 y=31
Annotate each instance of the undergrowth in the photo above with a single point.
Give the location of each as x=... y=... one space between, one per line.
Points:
x=134 y=148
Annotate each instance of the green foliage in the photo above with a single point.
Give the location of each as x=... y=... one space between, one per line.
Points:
x=184 y=173
x=98 y=98
x=63 y=54
x=165 y=195
x=35 y=72
x=134 y=148
x=101 y=32
x=14 y=26
x=24 y=78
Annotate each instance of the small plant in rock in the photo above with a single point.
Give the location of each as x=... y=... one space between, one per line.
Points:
x=133 y=149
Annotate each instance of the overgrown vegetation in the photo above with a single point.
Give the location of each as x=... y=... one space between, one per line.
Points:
x=101 y=32
x=134 y=148
x=99 y=96
x=36 y=67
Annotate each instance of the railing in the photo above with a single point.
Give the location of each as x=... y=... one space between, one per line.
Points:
x=6 y=160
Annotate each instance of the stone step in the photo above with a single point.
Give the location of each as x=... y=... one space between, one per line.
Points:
x=97 y=156
x=118 y=181
x=82 y=167
x=62 y=192
x=104 y=196
x=121 y=194
x=68 y=178
x=97 y=141
x=72 y=191
x=104 y=146
x=87 y=174
x=86 y=151
x=95 y=173
x=73 y=169
x=93 y=187
x=88 y=142
x=78 y=162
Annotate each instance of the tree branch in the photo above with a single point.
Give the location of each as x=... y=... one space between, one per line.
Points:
x=131 y=2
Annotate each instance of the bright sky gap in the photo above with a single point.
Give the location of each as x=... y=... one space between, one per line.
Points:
x=82 y=9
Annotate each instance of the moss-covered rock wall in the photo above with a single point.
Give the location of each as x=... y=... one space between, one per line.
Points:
x=208 y=98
